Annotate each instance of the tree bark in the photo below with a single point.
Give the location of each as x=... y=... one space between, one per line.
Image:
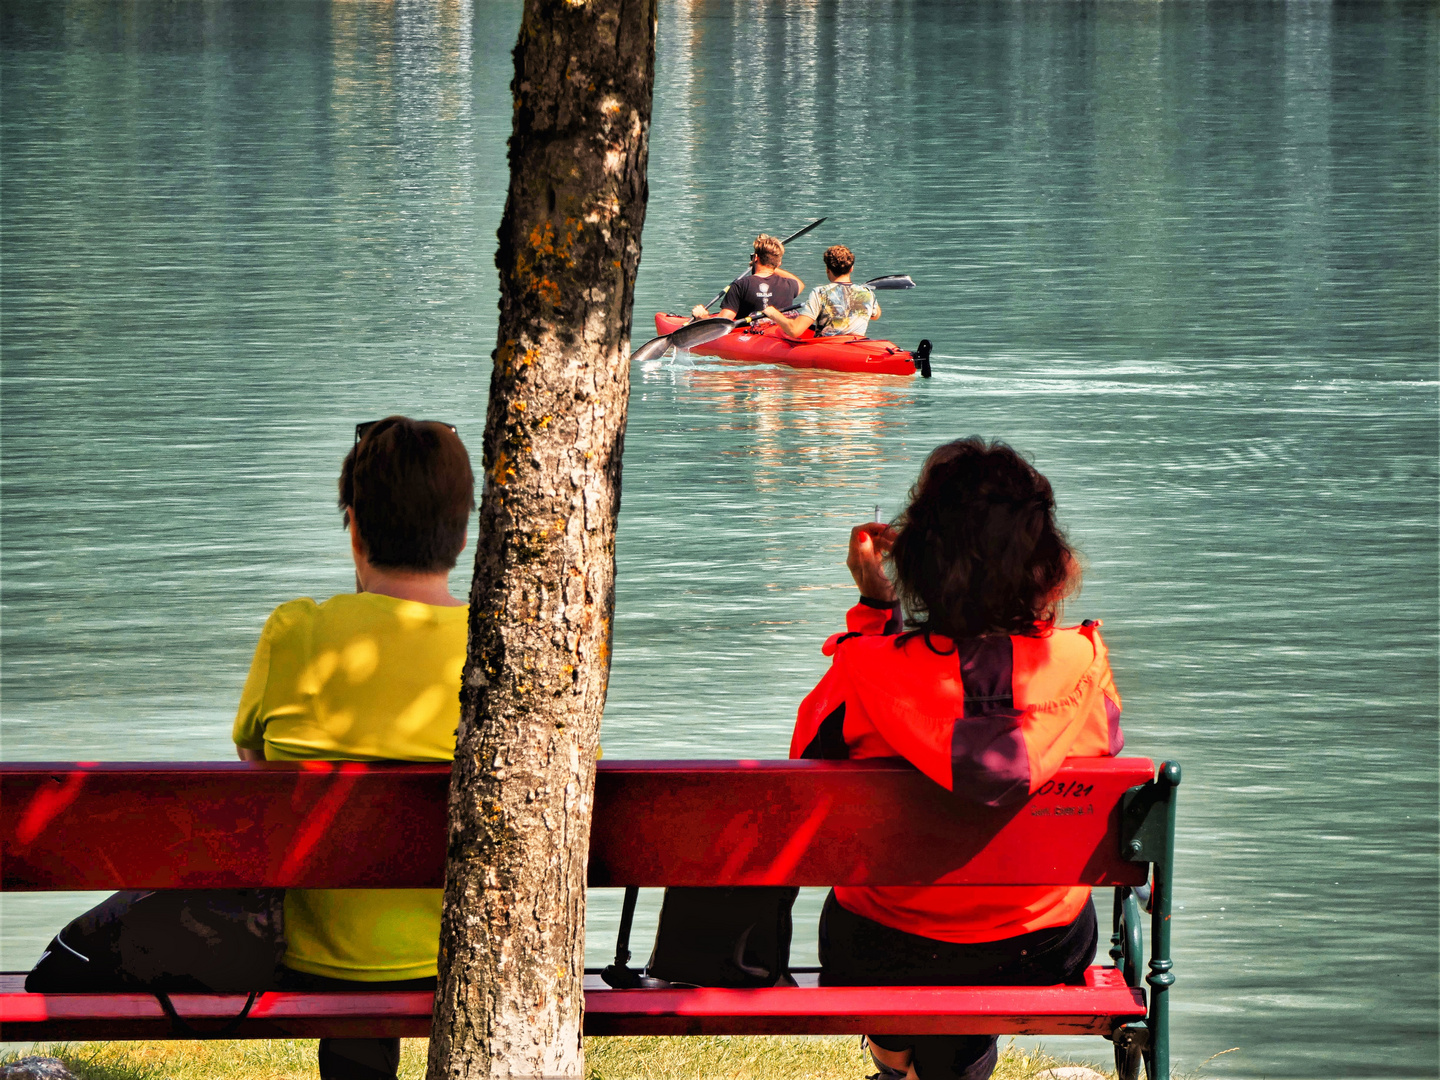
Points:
x=510 y=998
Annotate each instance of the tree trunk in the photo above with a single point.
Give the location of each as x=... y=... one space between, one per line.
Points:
x=510 y=999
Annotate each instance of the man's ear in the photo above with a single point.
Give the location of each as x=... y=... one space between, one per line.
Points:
x=357 y=545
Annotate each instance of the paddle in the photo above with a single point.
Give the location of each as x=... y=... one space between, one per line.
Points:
x=684 y=337
x=891 y=281
x=793 y=236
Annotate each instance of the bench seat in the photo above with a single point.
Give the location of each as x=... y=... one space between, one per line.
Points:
x=1097 y=1008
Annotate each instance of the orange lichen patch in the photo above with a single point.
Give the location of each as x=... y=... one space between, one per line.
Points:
x=549 y=291
x=547 y=246
x=507 y=361
x=503 y=472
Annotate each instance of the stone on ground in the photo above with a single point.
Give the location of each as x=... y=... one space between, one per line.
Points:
x=36 y=1068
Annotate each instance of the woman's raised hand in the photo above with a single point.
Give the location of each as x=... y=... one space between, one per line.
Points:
x=869 y=544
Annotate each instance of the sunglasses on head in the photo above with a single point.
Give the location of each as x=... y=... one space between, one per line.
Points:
x=363 y=429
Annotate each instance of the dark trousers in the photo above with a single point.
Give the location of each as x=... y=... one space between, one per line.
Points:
x=856 y=951
x=354 y=1059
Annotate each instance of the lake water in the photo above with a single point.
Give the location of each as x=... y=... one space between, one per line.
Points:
x=1183 y=255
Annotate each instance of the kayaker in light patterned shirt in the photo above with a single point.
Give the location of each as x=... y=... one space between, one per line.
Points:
x=840 y=307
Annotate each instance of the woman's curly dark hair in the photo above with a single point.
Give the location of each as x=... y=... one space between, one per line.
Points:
x=978 y=550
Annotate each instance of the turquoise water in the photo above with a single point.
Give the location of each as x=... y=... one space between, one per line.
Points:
x=1183 y=255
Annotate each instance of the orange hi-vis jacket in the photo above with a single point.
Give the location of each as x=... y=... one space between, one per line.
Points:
x=989 y=718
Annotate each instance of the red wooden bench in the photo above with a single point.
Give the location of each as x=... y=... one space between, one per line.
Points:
x=1102 y=822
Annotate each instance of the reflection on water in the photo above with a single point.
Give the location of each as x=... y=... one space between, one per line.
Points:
x=1183 y=255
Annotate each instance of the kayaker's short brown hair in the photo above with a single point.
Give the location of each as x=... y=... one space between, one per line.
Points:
x=978 y=551
x=409 y=486
x=769 y=250
x=838 y=259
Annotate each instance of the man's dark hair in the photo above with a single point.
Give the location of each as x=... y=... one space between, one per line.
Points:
x=978 y=550
x=839 y=259
x=409 y=486
x=768 y=250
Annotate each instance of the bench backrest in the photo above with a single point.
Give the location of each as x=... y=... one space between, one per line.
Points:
x=351 y=825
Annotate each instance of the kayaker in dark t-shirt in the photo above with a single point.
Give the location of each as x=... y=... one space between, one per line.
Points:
x=766 y=284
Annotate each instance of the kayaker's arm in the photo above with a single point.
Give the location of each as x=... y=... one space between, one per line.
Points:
x=794 y=327
x=730 y=299
x=799 y=285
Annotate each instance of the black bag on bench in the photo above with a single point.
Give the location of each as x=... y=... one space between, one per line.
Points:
x=731 y=936
x=179 y=941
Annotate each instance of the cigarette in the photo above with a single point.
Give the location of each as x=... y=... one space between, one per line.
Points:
x=879 y=520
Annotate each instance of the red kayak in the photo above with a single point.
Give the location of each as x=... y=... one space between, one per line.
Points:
x=764 y=343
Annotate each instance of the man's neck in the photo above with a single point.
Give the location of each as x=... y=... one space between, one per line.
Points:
x=840 y=279
x=761 y=270
x=433 y=589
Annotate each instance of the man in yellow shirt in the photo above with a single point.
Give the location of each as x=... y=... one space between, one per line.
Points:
x=369 y=676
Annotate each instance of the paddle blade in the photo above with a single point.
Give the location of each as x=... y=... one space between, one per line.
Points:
x=891 y=281
x=652 y=349
x=687 y=337
x=699 y=332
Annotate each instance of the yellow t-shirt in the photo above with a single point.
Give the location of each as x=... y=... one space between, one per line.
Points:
x=361 y=677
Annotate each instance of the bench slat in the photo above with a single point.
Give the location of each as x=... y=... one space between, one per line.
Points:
x=855 y=823
x=1096 y=1008
x=351 y=825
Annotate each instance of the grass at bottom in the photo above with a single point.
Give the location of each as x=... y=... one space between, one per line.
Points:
x=760 y=1058
x=617 y=1058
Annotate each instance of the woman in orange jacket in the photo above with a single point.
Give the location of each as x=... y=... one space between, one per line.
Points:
x=986 y=696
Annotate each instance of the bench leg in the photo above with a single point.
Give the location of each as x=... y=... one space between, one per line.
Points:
x=619 y=974
x=1161 y=977
x=1127 y=950
x=1116 y=952
x=1130 y=1050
